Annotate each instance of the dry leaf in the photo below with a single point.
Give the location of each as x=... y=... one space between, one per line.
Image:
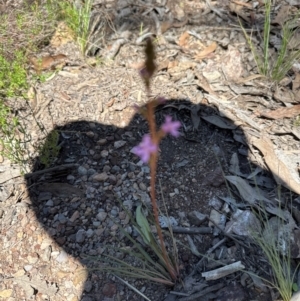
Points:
x=280 y=172
x=62 y=35
x=163 y=65
x=282 y=15
x=184 y=39
x=296 y=82
x=242 y=3
x=207 y=51
x=48 y=62
x=283 y=112
x=172 y=64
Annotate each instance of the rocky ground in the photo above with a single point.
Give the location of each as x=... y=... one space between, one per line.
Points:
x=238 y=149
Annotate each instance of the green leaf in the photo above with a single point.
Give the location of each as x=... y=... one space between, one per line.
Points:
x=144 y=225
x=295 y=287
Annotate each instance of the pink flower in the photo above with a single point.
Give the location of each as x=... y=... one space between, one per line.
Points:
x=145 y=148
x=171 y=127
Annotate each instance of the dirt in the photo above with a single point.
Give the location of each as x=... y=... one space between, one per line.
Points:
x=53 y=219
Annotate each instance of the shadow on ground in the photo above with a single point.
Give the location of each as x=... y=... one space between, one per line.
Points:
x=75 y=198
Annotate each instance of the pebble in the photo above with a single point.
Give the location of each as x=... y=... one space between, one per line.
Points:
x=101 y=141
x=100 y=177
x=80 y=236
x=104 y=153
x=101 y=216
x=119 y=144
x=91 y=171
x=62 y=219
x=49 y=203
x=74 y=216
x=82 y=171
x=62 y=257
x=143 y=186
x=28 y=267
x=89 y=233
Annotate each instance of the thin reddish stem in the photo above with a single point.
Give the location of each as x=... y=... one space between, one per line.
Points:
x=153 y=168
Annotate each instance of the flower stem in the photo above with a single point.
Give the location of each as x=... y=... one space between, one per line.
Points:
x=153 y=167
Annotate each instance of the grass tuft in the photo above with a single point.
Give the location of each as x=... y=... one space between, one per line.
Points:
x=275 y=68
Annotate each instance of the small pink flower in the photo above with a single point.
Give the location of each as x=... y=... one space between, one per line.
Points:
x=171 y=127
x=145 y=148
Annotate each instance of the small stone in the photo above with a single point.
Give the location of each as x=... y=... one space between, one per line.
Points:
x=106 y=168
x=62 y=219
x=196 y=218
x=90 y=134
x=88 y=286
x=82 y=171
x=101 y=141
x=100 y=177
x=80 y=236
x=91 y=171
x=143 y=186
x=104 y=153
x=112 y=179
x=101 y=216
x=109 y=289
x=122 y=215
x=119 y=144
x=28 y=267
x=89 y=233
x=115 y=169
x=114 y=212
x=62 y=257
x=74 y=216
x=49 y=203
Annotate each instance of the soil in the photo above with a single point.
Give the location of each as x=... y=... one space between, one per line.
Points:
x=56 y=222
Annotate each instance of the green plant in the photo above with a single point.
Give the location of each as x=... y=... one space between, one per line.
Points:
x=297 y=121
x=50 y=149
x=12 y=136
x=277 y=254
x=13 y=76
x=77 y=17
x=275 y=67
x=142 y=265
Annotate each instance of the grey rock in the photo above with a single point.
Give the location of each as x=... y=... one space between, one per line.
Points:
x=80 y=236
x=143 y=186
x=115 y=169
x=114 y=212
x=91 y=171
x=196 y=218
x=88 y=286
x=119 y=144
x=101 y=216
x=62 y=219
x=89 y=233
x=82 y=171
x=49 y=203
